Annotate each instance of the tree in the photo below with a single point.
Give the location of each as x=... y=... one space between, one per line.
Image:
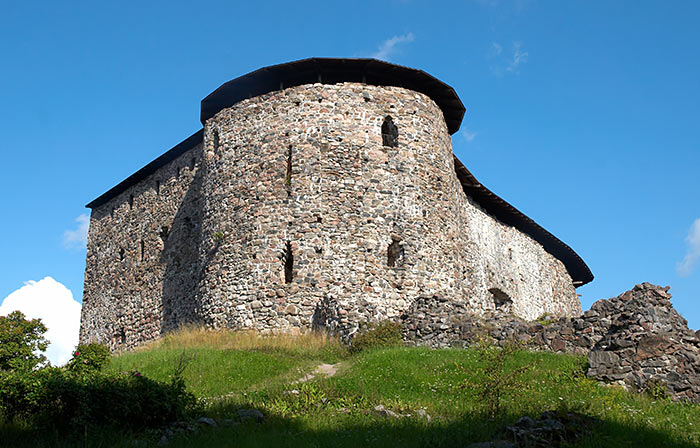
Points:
x=21 y=342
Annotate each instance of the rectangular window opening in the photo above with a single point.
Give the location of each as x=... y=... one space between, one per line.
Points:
x=288 y=263
x=288 y=178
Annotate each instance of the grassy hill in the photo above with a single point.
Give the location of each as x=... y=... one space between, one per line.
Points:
x=233 y=371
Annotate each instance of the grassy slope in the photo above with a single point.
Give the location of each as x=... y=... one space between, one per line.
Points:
x=245 y=371
x=337 y=411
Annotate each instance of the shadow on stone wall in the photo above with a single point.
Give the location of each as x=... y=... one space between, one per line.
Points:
x=180 y=256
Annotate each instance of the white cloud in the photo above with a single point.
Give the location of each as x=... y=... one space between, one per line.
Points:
x=53 y=303
x=468 y=135
x=389 y=46
x=77 y=238
x=519 y=57
x=686 y=266
x=503 y=63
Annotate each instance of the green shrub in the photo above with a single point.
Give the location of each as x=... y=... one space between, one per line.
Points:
x=656 y=389
x=89 y=358
x=377 y=335
x=20 y=342
x=62 y=400
x=495 y=378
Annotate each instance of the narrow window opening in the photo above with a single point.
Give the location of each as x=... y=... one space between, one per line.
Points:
x=390 y=133
x=143 y=250
x=157 y=187
x=319 y=219
x=216 y=141
x=192 y=162
x=501 y=300
x=121 y=254
x=120 y=336
x=111 y=213
x=288 y=263
x=177 y=173
x=164 y=231
x=394 y=253
x=288 y=177
x=131 y=201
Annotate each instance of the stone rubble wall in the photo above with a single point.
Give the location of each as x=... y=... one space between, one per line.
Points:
x=235 y=218
x=637 y=338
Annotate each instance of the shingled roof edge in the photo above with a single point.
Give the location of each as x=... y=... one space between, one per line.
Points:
x=312 y=70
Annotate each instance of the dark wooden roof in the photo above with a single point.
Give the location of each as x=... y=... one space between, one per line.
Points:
x=332 y=71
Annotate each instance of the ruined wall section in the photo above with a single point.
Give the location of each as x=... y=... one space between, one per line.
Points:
x=142 y=257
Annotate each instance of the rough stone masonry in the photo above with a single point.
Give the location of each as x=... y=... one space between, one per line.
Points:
x=637 y=338
x=322 y=192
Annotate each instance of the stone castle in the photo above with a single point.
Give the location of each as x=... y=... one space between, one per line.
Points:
x=319 y=193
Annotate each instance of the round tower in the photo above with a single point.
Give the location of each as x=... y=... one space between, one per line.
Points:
x=328 y=204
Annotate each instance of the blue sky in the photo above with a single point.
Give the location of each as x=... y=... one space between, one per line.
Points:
x=582 y=114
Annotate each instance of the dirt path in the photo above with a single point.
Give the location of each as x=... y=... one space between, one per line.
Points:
x=326 y=370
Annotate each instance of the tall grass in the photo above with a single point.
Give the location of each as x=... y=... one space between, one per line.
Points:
x=305 y=344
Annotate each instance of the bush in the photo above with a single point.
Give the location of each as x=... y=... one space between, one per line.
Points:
x=20 y=340
x=89 y=358
x=61 y=400
x=495 y=378
x=383 y=334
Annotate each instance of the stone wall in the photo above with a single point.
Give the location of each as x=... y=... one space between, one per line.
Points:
x=302 y=214
x=636 y=338
x=142 y=266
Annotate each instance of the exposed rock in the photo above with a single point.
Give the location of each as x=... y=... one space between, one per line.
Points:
x=251 y=414
x=549 y=430
x=206 y=421
x=384 y=412
x=423 y=414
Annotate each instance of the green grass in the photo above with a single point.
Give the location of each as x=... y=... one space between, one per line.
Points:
x=337 y=411
x=212 y=373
